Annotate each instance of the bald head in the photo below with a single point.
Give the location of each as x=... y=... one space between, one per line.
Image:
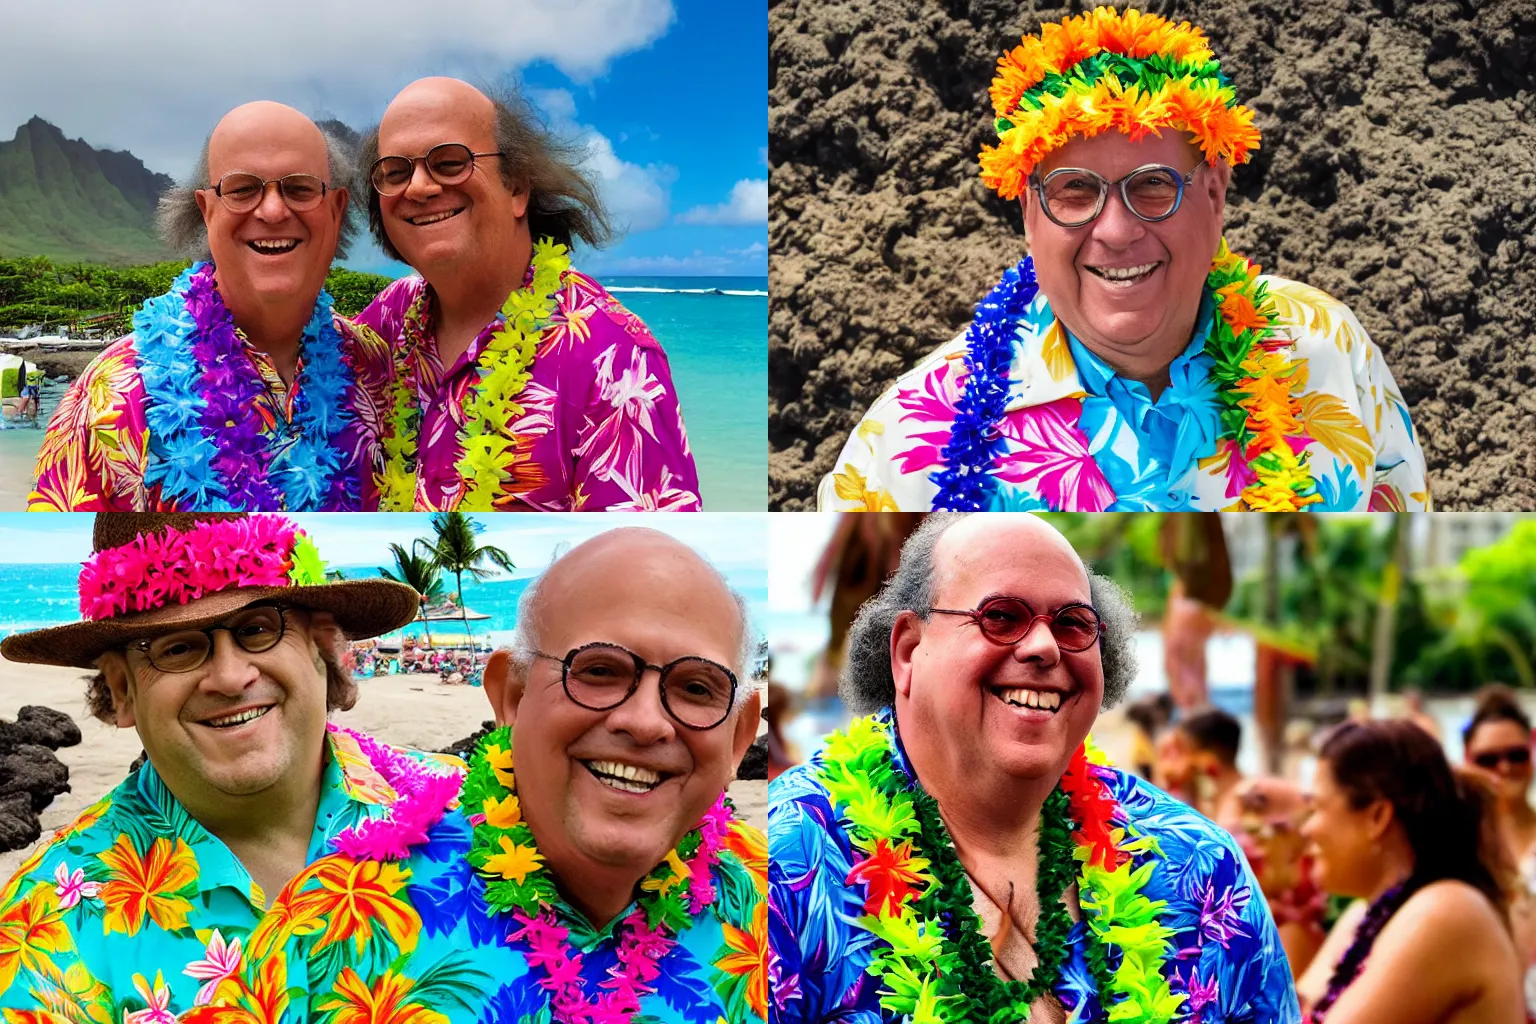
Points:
x=254 y=134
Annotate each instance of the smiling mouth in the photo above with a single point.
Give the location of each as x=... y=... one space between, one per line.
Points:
x=433 y=218
x=1125 y=275
x=626 y=778
x=239 y=718
x=273 y=246
x=1035 y=700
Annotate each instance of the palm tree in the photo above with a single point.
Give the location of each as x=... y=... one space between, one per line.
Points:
x=420 y=573
x=455 y=549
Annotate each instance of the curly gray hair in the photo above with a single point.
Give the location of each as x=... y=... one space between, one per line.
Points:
x=181 y=225
x=867 y=684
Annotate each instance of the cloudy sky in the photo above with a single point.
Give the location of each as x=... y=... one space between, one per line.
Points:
x=668 y=98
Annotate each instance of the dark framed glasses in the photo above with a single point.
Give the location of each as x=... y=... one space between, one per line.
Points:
x=254 y=630
x=241 y=192
x=1518 y=757
x=449 y=164
x=1006 y=620
x=697 y=693
x=1075 y=196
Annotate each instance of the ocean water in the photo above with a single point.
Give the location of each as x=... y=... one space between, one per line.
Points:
x=715 y=333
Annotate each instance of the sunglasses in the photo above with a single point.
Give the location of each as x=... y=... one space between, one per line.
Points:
x=1006 y=621
x=1516 y=756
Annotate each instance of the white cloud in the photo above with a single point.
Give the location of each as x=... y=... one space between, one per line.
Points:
x=748 y=205
x=154 y=76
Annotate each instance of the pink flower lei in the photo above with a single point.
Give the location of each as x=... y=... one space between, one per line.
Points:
x=424 y=798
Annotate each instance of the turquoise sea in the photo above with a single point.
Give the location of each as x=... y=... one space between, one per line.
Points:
x=715 y=332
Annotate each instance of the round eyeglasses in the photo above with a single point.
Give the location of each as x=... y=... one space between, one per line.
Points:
x=1007 y=620
x=448 y=164
x=254 y=630
x=697 y=693
x=241 y=192
x=1074 y=196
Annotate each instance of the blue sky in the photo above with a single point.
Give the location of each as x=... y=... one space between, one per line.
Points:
x=668 y=98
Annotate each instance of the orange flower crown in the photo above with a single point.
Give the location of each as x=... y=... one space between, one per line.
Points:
x=1134 y=73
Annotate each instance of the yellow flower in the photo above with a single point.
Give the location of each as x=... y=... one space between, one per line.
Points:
x=515 y=861
x=503 y=813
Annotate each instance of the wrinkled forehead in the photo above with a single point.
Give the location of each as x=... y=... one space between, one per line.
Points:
x=985 y=556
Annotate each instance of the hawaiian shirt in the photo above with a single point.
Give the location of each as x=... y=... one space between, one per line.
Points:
x=135 y=913
x=1228 y=963
x=601 y=428
x=95 y=449
x=716 y=972
x=1078 y=437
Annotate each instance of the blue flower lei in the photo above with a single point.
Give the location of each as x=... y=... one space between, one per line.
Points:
x=206 y=449
x=966 y=484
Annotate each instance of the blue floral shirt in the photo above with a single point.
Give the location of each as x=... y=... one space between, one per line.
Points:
x=1228 y=961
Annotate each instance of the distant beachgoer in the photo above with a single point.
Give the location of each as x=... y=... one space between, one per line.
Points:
x=1394 y=825
x=1131 y=361
x=235 y=389
x=502 y=378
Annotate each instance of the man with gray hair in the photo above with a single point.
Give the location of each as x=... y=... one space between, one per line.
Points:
x=502 y=378
x=626 y=705
x=965 y=853
x=235 y=389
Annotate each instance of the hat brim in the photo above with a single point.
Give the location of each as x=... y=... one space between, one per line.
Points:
x=363 y=608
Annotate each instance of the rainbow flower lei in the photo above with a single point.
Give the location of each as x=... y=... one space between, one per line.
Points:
x=1262 y=441
x=207 y=451
x=936 y=966
x=1104 y=71
x=506 y=854
x=503 y=368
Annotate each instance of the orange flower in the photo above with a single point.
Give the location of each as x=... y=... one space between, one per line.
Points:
x=353 y=895
x=355 y=1003
x=31 y=931
x=152 y=886
x=749 y=957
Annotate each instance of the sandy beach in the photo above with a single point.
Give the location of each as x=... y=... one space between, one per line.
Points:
x=410 y=711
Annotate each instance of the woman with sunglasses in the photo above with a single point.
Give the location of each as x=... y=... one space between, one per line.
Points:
x=1393 y=824
x=1497 y=745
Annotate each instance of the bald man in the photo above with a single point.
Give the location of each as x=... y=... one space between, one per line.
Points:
x=623 y=721
x=565 y=404
x=965 y=811
x=234 y=391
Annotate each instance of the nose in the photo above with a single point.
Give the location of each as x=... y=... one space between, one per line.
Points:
x=642 y=717
x=422 y=185
x=1117 y=227
x=229 y=670
x=272 y=207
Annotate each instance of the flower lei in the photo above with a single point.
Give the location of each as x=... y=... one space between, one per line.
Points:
x=172 y=566
x=424 y=797
x=506 y=855
x=1262 y=438
x=936 y=967
x=1103 y=71
x=208 y=450
x=503 y=369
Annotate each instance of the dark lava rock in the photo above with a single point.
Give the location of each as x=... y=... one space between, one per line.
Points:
x=19 y=826
x=466 y=746
x=45 y=727
x=35 y=771
x=1397 y=172
x=755 y=764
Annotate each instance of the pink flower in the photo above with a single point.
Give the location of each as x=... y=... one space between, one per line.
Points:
x=222 y=961
x=72 y=887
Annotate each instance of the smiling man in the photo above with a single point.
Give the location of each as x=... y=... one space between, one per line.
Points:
x=262 y=862
x=964 y=853
x=235 y=389
x=1131 y=361
x=501 y=378
x=616 y=882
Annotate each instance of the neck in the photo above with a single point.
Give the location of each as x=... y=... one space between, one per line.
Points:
x=467 y=298
x=275 y=328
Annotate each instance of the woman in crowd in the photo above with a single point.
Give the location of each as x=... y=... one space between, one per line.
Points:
x=1394 y=825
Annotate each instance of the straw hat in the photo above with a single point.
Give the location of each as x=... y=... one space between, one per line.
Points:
x=145 y=597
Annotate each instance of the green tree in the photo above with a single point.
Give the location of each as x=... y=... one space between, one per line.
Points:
x=455 y=548
x=421 y=574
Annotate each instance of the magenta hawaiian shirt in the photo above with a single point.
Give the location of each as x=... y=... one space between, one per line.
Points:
x=601 y=427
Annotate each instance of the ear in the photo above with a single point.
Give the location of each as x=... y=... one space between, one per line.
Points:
x=906 y=634
x=114 y=665
x=747 y=721
x=503 y=682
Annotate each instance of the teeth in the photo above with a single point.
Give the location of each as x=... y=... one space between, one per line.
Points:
x=1124 y=273
x=628 y=777
x=240 y=719
x=1041 y=699
x=433 y=218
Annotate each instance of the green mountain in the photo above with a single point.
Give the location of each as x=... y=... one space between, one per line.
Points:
x=67 y=200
